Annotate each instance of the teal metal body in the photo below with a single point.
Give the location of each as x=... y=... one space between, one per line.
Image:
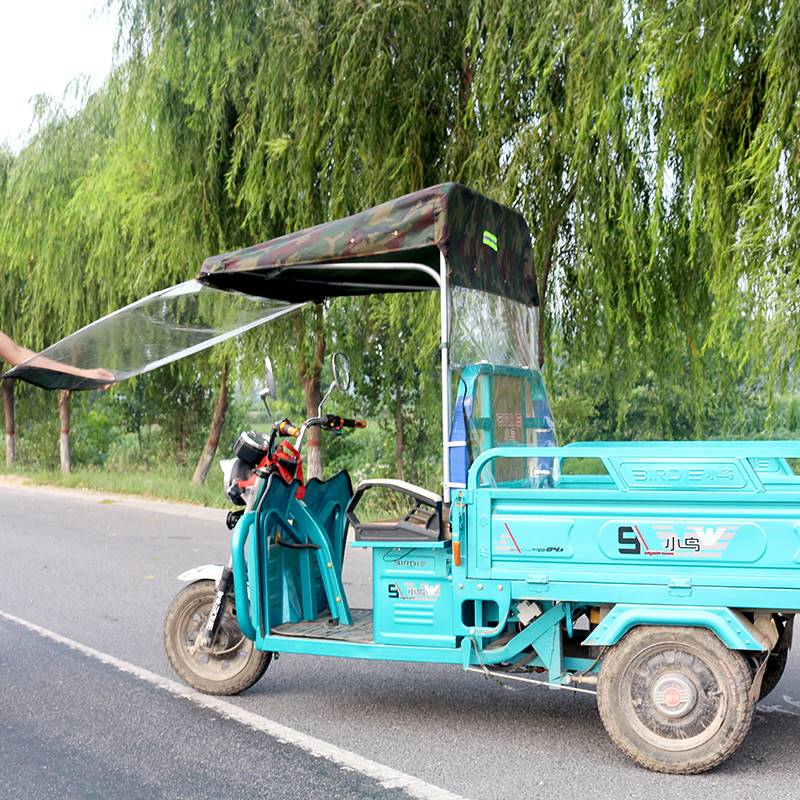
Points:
x=542 y=539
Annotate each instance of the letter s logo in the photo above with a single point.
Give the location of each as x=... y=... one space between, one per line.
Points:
x=629 y=544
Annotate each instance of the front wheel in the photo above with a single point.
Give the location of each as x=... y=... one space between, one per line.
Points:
x=675 y=699
x=231 y=665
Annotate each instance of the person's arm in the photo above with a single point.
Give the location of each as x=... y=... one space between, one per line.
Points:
x=10 y=351
x=15 y=354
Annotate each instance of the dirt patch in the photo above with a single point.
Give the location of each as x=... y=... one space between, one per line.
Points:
x=14 y=481
x=20 y=482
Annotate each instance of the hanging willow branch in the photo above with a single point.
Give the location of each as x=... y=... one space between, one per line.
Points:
x=672 y=131
x=653 y=147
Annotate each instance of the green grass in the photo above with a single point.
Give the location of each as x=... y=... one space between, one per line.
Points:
x=158 y=483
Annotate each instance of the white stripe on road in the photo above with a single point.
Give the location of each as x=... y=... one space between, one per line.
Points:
x=386 y=776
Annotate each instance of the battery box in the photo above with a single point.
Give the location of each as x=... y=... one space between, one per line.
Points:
x=412 y=593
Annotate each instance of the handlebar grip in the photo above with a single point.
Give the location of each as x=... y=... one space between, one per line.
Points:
x=354 y=423
x=336 y=423
x=285 y=428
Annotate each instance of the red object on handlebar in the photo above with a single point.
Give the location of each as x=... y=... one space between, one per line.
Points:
x=288 y=463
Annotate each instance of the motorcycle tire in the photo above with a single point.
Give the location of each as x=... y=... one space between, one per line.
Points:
x=231 y=665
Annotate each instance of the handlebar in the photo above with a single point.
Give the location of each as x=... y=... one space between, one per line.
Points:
x=332 y=422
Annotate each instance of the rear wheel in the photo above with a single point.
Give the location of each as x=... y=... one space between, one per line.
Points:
x=231 y=665
x=773 y=672
x=675 y=699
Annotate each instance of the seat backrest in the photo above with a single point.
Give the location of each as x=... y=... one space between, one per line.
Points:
x=500 y=406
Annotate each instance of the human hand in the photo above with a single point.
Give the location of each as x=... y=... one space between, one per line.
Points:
x=99 y=374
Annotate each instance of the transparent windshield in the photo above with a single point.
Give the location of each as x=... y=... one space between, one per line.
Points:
x=501 y=399
x=487 y=328
x=161 y=328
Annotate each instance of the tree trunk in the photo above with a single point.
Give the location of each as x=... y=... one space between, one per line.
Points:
x=63 y=413
x=217 y=421
x=310 y=375
x=11 y=433
x=312 y=459
x=180 y=451
x=399 y=430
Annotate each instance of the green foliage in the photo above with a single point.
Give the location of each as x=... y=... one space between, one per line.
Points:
x=653 y=148
x=45 y=247
x=394 y=349
x=94 y=436
x=37 y=427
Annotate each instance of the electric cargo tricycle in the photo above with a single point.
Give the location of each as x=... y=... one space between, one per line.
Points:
x=662 y=576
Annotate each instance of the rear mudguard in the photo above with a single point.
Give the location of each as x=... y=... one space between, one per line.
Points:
x=208 y=572
x=733 y=629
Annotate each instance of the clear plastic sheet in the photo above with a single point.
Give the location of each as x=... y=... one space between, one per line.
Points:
x=501 y=397
x=157 y=330
x=488 y=328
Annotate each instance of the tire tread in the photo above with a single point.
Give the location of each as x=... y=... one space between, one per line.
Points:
x=253 y=672
x=743 y=708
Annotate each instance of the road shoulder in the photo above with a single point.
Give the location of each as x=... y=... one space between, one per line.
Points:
x=90 y=496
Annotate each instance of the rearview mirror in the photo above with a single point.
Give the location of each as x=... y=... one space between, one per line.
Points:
x=341 y=371
x=268 y=389
x=341 y=377
x=269 y=379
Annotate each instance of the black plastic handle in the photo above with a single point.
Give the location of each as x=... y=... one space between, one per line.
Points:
x=337 y=423
x=296 y=545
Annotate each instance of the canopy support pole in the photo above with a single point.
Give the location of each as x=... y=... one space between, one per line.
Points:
x=444 y=298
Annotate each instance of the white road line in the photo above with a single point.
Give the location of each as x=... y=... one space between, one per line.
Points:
x=386 y=776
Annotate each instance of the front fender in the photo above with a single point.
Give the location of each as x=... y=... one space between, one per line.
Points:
x=208 y=572
x=239 y=562
x=734 y=630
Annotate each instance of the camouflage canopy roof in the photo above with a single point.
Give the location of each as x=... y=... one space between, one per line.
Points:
x=487 y=247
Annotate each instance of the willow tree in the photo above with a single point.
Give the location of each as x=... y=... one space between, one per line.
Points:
x=653 y=147
x=273 y=116
x=44 y=249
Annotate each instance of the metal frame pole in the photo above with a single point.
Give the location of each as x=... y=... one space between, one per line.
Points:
x=444 y=295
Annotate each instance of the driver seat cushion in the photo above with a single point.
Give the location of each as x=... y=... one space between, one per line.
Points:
x=421 y=523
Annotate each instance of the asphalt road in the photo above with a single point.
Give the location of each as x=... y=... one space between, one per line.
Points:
x=102 y=573
x=74 y=728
